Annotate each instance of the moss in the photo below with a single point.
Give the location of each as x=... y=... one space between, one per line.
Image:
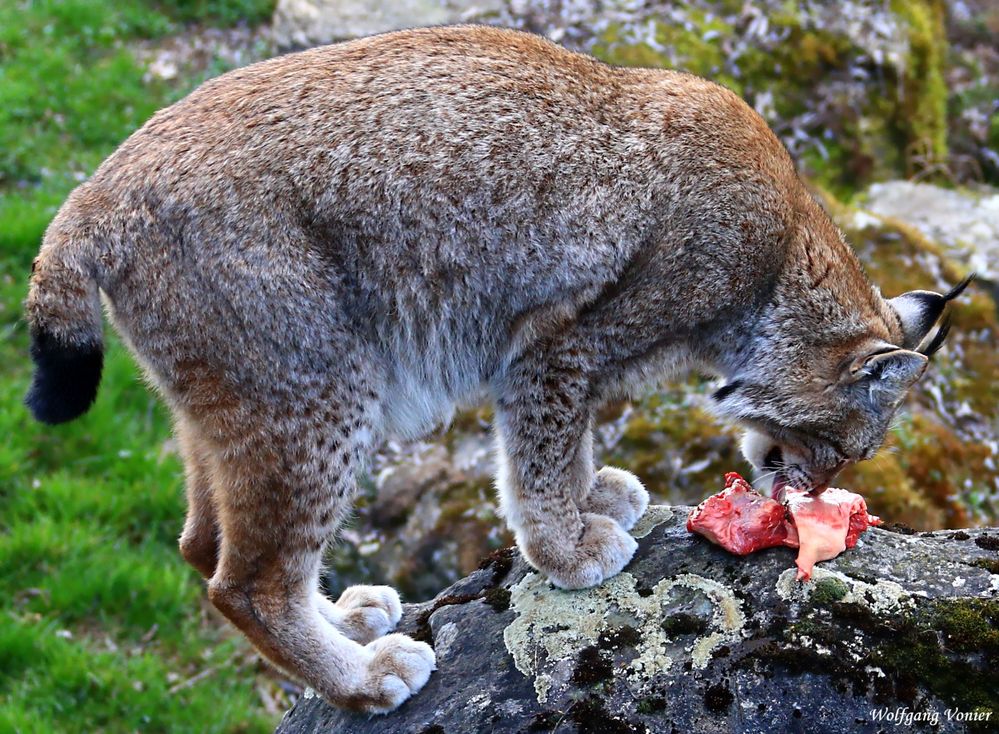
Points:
x=989 y=564
x=500 y=561
x=687 y=48
x=917 y=656
x=470 y=421
x=948 y=648
x=810 y=628
x=460 y=519
x=976 y=383
x=651 y=705
x=939 y=462
x=666 y=432
x=923 y=107
x=684 y=624
x=828 y=590
x=988 y=542
x=969 y=625
x=498 y=598
x=592 y=667
x=423 y=632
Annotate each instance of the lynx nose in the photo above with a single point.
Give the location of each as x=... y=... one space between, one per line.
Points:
x=823 y=480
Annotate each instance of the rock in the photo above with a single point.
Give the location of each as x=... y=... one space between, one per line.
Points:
x=303 y=23
x=689 y=638
x=425 y=519
x=964 y=222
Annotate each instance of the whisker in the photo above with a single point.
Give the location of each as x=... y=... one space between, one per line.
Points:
x=763 y=478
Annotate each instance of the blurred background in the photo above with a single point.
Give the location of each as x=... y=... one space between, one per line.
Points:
x=891 y=110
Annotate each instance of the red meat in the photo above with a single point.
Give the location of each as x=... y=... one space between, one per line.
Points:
x=821 y=526
x=739 y=519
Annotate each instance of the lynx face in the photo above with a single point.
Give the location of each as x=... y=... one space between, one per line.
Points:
x=812 y=409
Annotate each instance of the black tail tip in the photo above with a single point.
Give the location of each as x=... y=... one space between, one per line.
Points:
x=65 y=381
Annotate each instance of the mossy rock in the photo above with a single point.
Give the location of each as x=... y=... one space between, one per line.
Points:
x=675 y=445
x=801 y=73
x=690 y=638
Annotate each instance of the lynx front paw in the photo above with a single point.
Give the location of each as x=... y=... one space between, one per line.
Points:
x=399 y=667
x=603 y=549
x=618 y=494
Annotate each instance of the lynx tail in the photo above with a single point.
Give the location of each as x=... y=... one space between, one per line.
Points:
x=64 y=317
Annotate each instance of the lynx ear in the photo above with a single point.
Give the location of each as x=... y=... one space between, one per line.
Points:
x=891 y=373
x=919 y=310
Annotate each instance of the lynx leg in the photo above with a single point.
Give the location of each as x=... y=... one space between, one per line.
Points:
x=546 y=471
x=281 y=494
x=199 y=541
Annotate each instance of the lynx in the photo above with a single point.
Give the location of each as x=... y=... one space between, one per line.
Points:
x=313 y=253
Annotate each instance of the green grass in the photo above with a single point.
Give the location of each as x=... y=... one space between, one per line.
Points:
x=102 y=626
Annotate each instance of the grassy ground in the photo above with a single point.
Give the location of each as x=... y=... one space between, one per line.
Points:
x=102 y=625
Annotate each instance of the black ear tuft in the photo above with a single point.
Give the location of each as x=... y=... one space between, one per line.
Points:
x=65 y=381
x=959 y=288
x=938 y=339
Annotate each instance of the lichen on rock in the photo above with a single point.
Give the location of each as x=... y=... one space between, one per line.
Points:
x=554 y=626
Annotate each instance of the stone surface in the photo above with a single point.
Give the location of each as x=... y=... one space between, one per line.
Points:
x=965 y=222
x=689 y=638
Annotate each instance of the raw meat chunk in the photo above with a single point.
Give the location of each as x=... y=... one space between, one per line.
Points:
x=739 y=519
x=822 y=526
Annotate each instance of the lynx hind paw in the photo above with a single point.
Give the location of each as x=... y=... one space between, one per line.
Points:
x=365 y=613
x=382 y=597
x=604 y=549
x=618 y=494
x=399 y=667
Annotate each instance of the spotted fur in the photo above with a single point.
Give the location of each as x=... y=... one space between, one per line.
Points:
x=318 y=251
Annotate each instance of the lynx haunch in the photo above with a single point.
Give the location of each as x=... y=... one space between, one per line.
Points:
x=316 y=252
